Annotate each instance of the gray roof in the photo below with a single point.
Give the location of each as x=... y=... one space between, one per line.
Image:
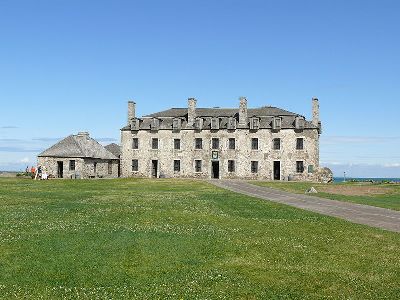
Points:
x=114 y=149
x=78 y=146
x=265 y=114
x=222 y=112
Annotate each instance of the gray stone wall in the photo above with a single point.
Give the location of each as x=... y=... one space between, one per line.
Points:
x=84 y=168
x=242 y=155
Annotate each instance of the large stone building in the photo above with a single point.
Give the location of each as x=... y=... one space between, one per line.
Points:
x=255 y=143
x=79 y=156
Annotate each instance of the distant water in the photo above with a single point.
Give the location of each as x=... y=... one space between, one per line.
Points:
x=340 y=179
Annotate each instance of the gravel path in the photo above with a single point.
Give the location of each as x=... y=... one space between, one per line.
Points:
x=357 y=213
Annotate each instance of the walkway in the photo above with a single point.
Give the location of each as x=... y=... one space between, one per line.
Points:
x=357 y=213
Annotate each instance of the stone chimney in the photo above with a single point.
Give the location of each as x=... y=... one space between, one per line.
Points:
x=315 y=111
x=191 y=111
x=243 y=111
x=83 y=133
x=131 y=111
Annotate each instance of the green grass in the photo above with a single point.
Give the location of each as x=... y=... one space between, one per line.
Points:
x=390 y=199
x=181 y=239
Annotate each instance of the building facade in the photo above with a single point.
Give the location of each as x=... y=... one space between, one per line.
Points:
x=266 y=143
x=79 y=156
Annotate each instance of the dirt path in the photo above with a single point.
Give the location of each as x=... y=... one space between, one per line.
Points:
x=357 y=213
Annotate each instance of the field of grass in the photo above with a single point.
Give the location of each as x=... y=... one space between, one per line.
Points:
x=181 y=239
x=382 y=195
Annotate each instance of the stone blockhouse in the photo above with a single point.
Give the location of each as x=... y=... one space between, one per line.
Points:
x=79 y=156
x=254 y=143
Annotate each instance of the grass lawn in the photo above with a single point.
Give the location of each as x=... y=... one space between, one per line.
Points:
x=375 y=194
x=181 y=239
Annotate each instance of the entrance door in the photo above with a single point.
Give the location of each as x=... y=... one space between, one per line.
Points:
x=277 y=170
x=154 y=168
x=215 y=170
x=60 y=169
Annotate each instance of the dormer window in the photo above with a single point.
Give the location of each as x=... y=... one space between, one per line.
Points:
x=254 y=123
x=299 y=123
x=155 y=124
x=198 y=124
x=231 y=123
x=176 y=124
x=215 y=123
x=135 y=124
x=276 y=123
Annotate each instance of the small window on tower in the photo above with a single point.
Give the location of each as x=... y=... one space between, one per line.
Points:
x=135 y=165
x=135 y=143
x=231 y=166
x=299 y=143
x=154 y=143
x=277 y=144
x=197 y=165
x=254 y=167
x=177 y=165
x=215 y=143
x=299 y=166
x=254 y=144
x=177 y=144
x=232 y=143
x=198 y=143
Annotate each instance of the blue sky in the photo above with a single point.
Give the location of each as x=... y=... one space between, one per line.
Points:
x=68 y=66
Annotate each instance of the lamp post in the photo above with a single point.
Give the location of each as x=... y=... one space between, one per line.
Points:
x=344 y=176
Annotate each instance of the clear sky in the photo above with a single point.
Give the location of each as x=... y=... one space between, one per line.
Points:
x=68 y=66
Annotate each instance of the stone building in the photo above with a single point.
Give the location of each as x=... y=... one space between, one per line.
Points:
x=116 y=150
x=254 y=143
x=79 y=156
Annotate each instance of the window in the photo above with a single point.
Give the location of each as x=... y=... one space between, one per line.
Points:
x=215 y=143
x=277 y=144
x=197 y=165
x=231 y=123
x=177 y=165
x=135 y=124
x=299 y=123
x=176 y=124
x=214 y=123
x=254 y=144
x=72 y=165
x=155 y=124
x=277 y=123
x=299 y=143
x=135 y=143
x=254 y=167
x=177 y=144
x=232 y=145
x=198 y=123
x=198 y=143
x=299 y=166
x=254 y=123
x=231 y=166
x=110 y=167
x=310 y=169
x=135 y=165
x=154 y=143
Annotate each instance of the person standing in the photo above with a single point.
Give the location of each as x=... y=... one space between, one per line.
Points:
x=33 y=172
